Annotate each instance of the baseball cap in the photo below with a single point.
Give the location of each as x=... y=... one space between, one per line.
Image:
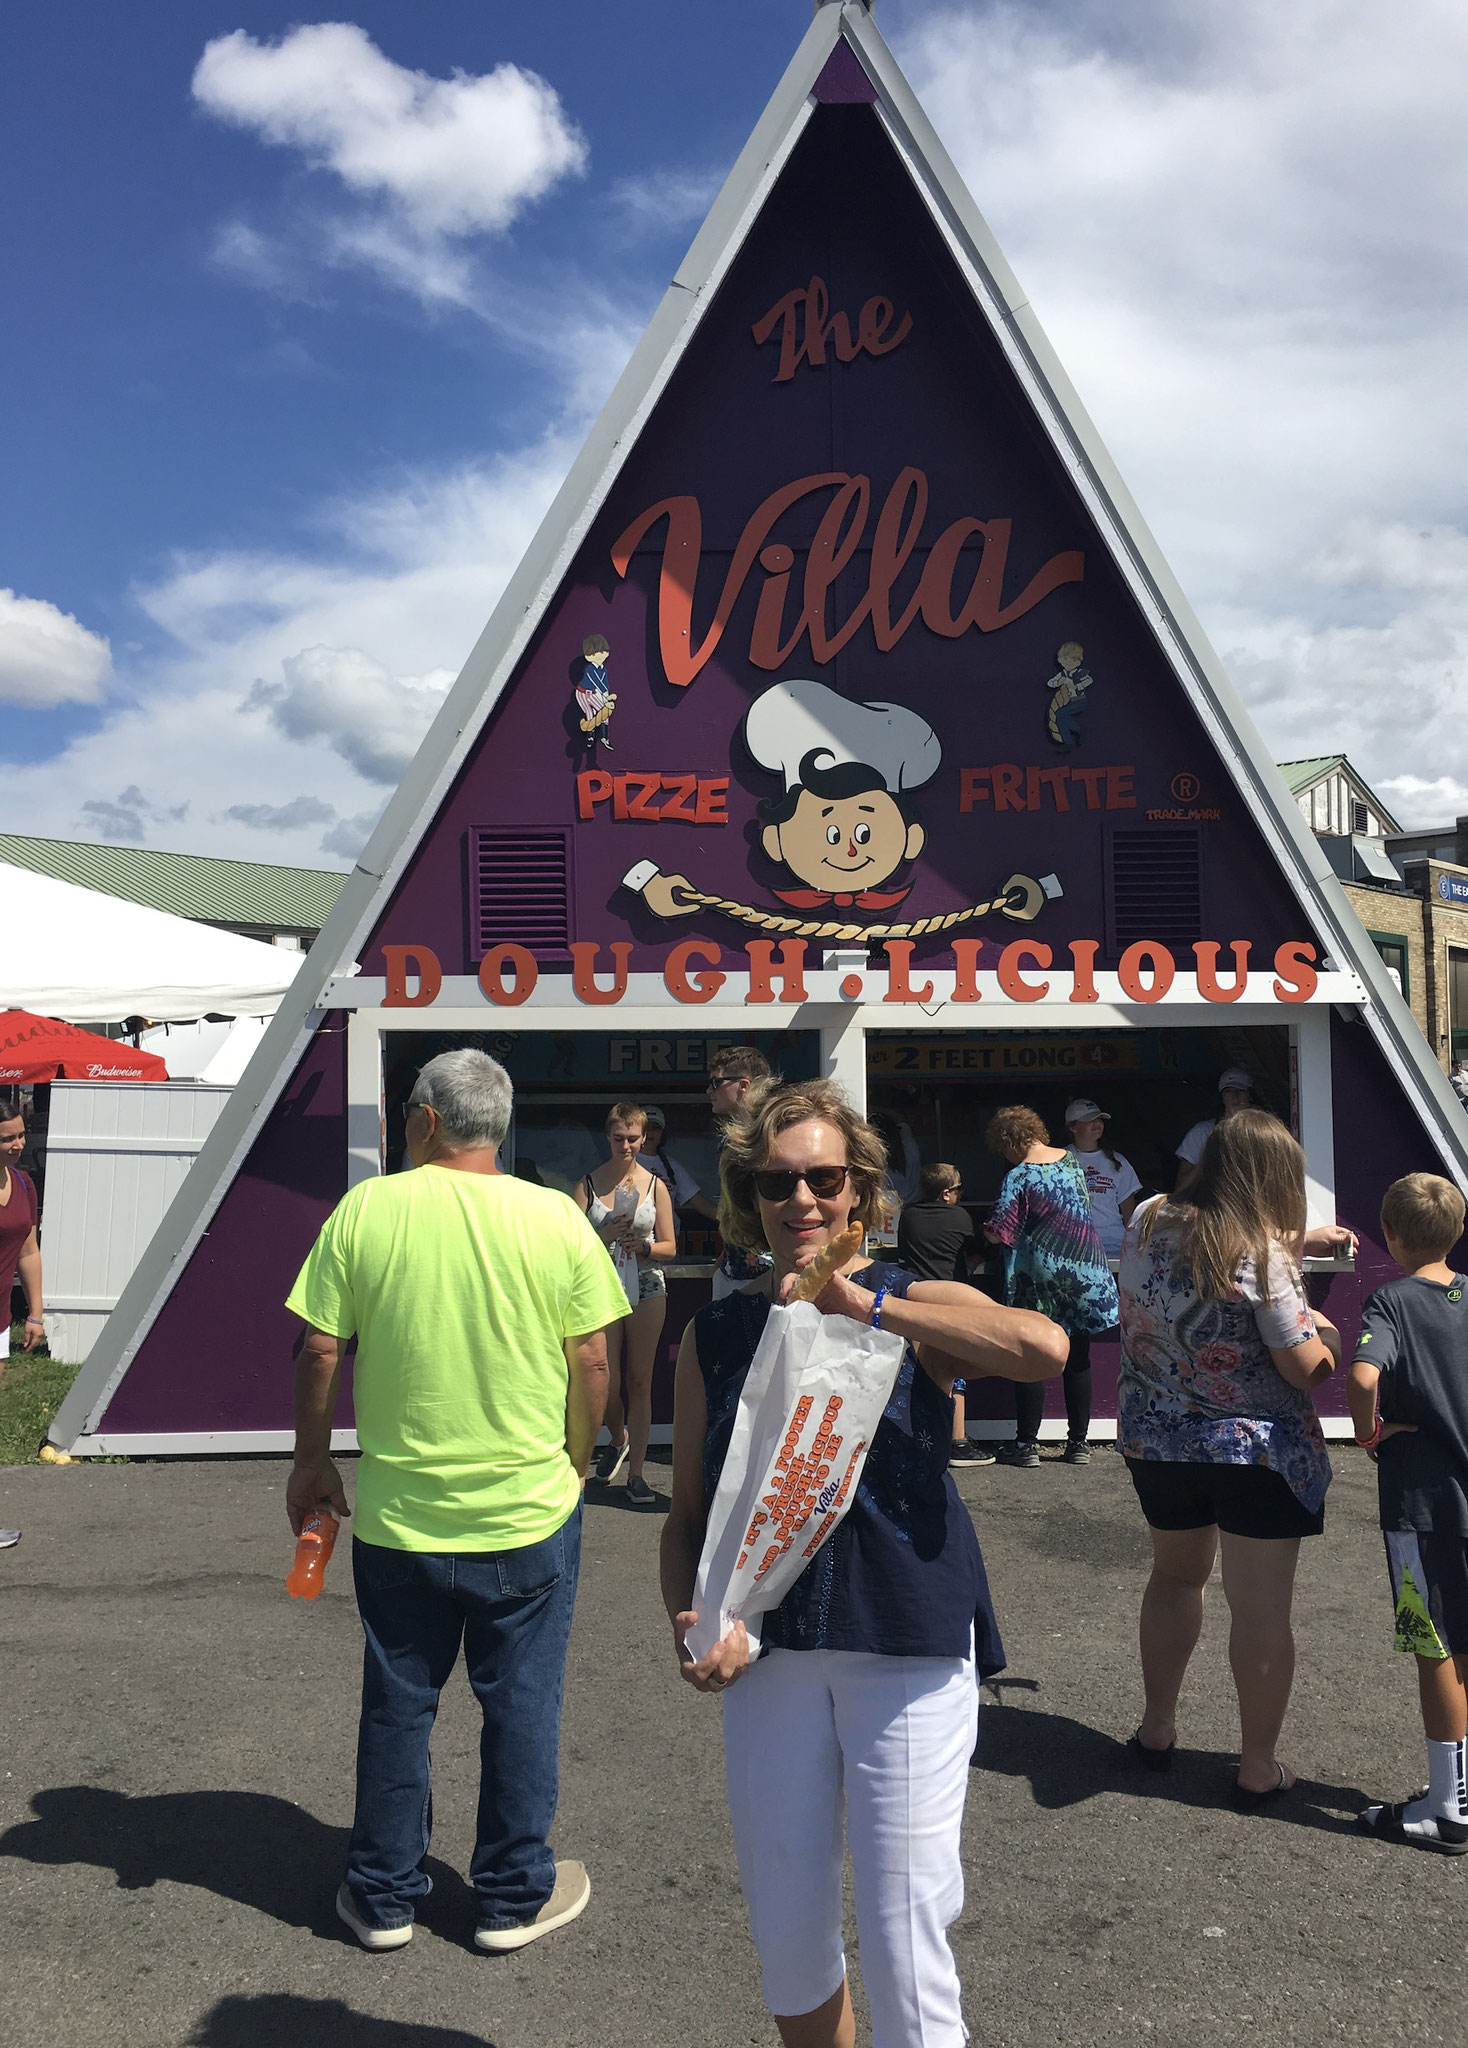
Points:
x=1083 y=1111
x=1235 y=1077
x=654 y=1115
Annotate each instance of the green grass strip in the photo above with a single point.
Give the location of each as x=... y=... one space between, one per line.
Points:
x=31 y=1391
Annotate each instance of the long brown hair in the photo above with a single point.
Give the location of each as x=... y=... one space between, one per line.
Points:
x=1249 y=1194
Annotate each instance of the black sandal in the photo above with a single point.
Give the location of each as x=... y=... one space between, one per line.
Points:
x=1151 y=1759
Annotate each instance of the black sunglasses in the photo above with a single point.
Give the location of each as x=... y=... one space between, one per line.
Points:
x=778 y=1183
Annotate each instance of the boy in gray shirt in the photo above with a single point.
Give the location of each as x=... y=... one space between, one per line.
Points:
x=1408 y=1392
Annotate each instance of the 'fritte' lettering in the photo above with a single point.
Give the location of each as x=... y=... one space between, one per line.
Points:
x=1012 y=788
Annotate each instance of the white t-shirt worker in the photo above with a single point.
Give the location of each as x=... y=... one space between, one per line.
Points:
x=1111 y=1179
x=1236 y=1091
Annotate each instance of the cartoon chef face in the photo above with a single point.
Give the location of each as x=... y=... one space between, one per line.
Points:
x=842 y=826
x=839 y=841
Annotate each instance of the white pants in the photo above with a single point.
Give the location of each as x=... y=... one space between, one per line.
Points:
x=806 y=1733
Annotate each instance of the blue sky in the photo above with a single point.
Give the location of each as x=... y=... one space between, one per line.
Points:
x=303 y=333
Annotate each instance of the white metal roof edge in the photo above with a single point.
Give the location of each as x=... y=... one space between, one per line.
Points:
x=1199 y=671
x=457 y=726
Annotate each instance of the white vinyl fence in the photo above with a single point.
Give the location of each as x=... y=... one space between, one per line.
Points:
x=116 y=1154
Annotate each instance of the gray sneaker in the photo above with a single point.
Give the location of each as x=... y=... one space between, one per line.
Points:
x=640 y=1494
x=608 y=1462
x=566 y=1902
x=9 y=1538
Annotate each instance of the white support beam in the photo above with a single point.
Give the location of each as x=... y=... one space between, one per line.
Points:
x=364 y=1097
x=844 y=1058
x=1310 y=1043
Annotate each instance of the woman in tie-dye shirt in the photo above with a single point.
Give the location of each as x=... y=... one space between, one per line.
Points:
x=1055 y=1264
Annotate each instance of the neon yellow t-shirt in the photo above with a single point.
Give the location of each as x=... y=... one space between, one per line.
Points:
x=460 y=1289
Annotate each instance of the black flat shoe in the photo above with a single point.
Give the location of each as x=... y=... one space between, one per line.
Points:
x=1151 y=1759
x=1245 y=1801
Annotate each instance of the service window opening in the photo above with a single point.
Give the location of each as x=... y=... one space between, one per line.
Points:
x=942 y=1088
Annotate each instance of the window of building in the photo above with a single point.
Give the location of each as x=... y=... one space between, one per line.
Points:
x=1393 y=950
x=1458 y=1001
x=1360 y=817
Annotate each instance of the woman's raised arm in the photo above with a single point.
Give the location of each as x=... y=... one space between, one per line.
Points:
x=958 y=1332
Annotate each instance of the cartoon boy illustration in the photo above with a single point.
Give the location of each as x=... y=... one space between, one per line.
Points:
x=843 y=827
x=594 y=698
x=1068 y=687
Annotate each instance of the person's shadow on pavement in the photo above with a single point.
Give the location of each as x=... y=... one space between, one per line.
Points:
x=279 y=2020
x=260 y=1851
x=1066 y=1763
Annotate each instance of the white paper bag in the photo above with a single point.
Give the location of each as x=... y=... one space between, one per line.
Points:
x=809 y=1408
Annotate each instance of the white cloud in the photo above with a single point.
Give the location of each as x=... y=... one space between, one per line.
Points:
x=46 y=656
x=129 y=814
x=1435 y=802
x=301 y=810
x=349 y=835
x=427 y=165
x=353 y=645
x=369 y=716
x=455 y=156
x=1242 y=229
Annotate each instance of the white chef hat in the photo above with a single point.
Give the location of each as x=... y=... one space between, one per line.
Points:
x=798 y=718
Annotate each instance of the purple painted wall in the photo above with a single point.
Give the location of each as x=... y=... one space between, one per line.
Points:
x=219 y=1355
x=728 y=433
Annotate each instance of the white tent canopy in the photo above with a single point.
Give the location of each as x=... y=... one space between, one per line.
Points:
x=216 y=1053
x=89 y=958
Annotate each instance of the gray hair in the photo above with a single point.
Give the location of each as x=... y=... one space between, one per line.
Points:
x=472 y=1095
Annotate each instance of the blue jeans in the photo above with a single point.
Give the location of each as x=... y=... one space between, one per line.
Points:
x=511 y=1609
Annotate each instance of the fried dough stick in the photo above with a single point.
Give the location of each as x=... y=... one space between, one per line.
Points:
x=826 y=1262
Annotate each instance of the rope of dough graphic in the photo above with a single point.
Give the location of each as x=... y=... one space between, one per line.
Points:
x=1021 y=898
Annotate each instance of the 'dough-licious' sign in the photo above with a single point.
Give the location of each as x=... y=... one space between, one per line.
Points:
x=695 y=970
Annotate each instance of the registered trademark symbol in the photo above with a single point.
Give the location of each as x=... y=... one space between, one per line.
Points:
x=1185 y=787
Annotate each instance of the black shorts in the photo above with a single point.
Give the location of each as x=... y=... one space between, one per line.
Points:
x=1242 y=1500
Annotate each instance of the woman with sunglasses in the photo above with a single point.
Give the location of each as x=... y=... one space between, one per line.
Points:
x=642 y=1223
x=865 y=1692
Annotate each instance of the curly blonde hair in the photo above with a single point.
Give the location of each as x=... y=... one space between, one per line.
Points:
x=747 y=1142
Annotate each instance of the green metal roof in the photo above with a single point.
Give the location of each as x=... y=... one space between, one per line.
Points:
x=1300 y=774
x=187 y=884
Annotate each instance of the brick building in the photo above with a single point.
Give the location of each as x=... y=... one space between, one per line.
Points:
x=1409 y=889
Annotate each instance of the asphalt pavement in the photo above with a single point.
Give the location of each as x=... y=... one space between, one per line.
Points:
x=177 y=1740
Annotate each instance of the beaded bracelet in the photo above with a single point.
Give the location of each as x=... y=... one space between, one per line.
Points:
x=877 y=1300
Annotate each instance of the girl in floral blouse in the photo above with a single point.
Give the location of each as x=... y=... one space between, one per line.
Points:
x=1219 y=1352
x=1055 y=1264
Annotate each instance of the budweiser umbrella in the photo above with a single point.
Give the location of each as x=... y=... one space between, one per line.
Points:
x=41 y=1049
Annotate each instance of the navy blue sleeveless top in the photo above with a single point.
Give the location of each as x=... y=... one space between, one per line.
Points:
x=903 y=1575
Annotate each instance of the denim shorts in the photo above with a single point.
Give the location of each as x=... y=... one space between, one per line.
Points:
x=651 y=1281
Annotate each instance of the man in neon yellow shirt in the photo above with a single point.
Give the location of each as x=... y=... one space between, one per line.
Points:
x=480 y=1305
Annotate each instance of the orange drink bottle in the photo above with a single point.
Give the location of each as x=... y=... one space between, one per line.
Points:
x=313 y=1551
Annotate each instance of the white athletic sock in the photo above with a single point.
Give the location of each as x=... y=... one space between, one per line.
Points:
x=1446 y=1797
